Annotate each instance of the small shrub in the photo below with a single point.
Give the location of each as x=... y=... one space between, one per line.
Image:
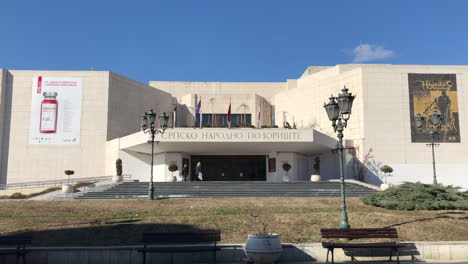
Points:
x=173 y=167
x=68 y=173
x=18 y=196
x=118 y=167
x=258 y=220
x=286 y=167
x=386 y=169
x=418 y=196
x=317 y=165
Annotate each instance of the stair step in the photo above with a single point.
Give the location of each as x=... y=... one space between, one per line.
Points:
x=233 y=189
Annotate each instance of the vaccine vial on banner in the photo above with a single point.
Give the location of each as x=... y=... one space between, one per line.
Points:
x=49 y=113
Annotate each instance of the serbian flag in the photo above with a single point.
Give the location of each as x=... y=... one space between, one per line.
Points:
x=198 y=114
x=228 y=119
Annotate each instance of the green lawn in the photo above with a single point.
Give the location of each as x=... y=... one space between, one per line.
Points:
x=121 y=222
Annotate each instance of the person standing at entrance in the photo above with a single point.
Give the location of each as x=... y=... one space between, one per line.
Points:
x=198 y=172
x=184 y=172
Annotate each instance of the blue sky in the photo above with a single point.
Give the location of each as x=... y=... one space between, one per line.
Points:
x=228 y=40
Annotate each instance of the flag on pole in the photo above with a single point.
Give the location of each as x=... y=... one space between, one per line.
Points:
x=229 y=114
x=198 y=113
x=259 y=115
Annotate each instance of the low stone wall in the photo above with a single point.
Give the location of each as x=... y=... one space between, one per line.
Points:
x=313 y=252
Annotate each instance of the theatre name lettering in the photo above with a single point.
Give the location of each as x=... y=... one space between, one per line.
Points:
x=232 y=135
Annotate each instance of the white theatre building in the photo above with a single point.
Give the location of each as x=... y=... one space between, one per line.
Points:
x=84 y=121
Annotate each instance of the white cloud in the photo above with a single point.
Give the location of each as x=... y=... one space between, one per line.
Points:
x=367 y=52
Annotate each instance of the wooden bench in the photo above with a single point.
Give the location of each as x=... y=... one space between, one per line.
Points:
x=199 y=242
x=359 y=233
x=16 y=245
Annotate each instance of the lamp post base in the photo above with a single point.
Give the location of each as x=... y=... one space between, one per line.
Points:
x=345 y=226
x=151 y=191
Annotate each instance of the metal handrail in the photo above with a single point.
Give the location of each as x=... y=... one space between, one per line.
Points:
x=35 y=184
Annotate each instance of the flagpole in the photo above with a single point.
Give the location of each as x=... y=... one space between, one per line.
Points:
x=229 y=114
x=201 y=114
x=174 y=118
x=258 y=114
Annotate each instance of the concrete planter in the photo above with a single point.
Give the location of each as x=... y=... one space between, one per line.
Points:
x=384 y=186
x=263 y=248
x=67 y=188
x=117 y=178
x=172 y=179
x=315 y=178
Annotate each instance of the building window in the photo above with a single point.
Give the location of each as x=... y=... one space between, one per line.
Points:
x=219 y=120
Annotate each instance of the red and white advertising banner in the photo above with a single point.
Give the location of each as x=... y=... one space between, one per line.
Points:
x=55 y=111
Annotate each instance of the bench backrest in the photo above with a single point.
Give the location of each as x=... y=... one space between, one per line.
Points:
x=182 y=237
x=360 y=233
x=15 y=240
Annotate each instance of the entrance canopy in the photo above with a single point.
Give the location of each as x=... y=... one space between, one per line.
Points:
x=231 y=141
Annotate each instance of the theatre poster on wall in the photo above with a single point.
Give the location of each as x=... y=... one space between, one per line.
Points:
x=434 y=92
x=55 y=111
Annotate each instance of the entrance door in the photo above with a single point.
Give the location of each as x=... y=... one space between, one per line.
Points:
x=231 y=168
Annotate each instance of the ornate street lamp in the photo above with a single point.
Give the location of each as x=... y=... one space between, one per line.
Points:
x=435 y=121
x=339 y=112
x=148 y=126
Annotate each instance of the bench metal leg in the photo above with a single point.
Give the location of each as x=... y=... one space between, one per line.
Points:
x=398 y=255
x=144 y=254
x=214 y=252
x=20 y=253
x=332 y=254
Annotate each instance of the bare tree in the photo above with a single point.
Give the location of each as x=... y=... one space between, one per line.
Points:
x=361 y=167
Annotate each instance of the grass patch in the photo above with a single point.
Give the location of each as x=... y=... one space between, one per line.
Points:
x=227 y=211
x=418 y=196
x=121 y=222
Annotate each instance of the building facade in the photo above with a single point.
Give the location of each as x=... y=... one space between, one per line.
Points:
x=85 y=120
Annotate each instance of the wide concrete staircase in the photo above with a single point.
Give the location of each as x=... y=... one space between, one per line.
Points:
x=228 y=189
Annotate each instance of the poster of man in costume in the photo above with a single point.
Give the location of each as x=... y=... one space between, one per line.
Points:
x=431 y=93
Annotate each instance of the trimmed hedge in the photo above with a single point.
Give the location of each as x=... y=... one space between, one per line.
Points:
x=418 y=196
x=26 y=196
